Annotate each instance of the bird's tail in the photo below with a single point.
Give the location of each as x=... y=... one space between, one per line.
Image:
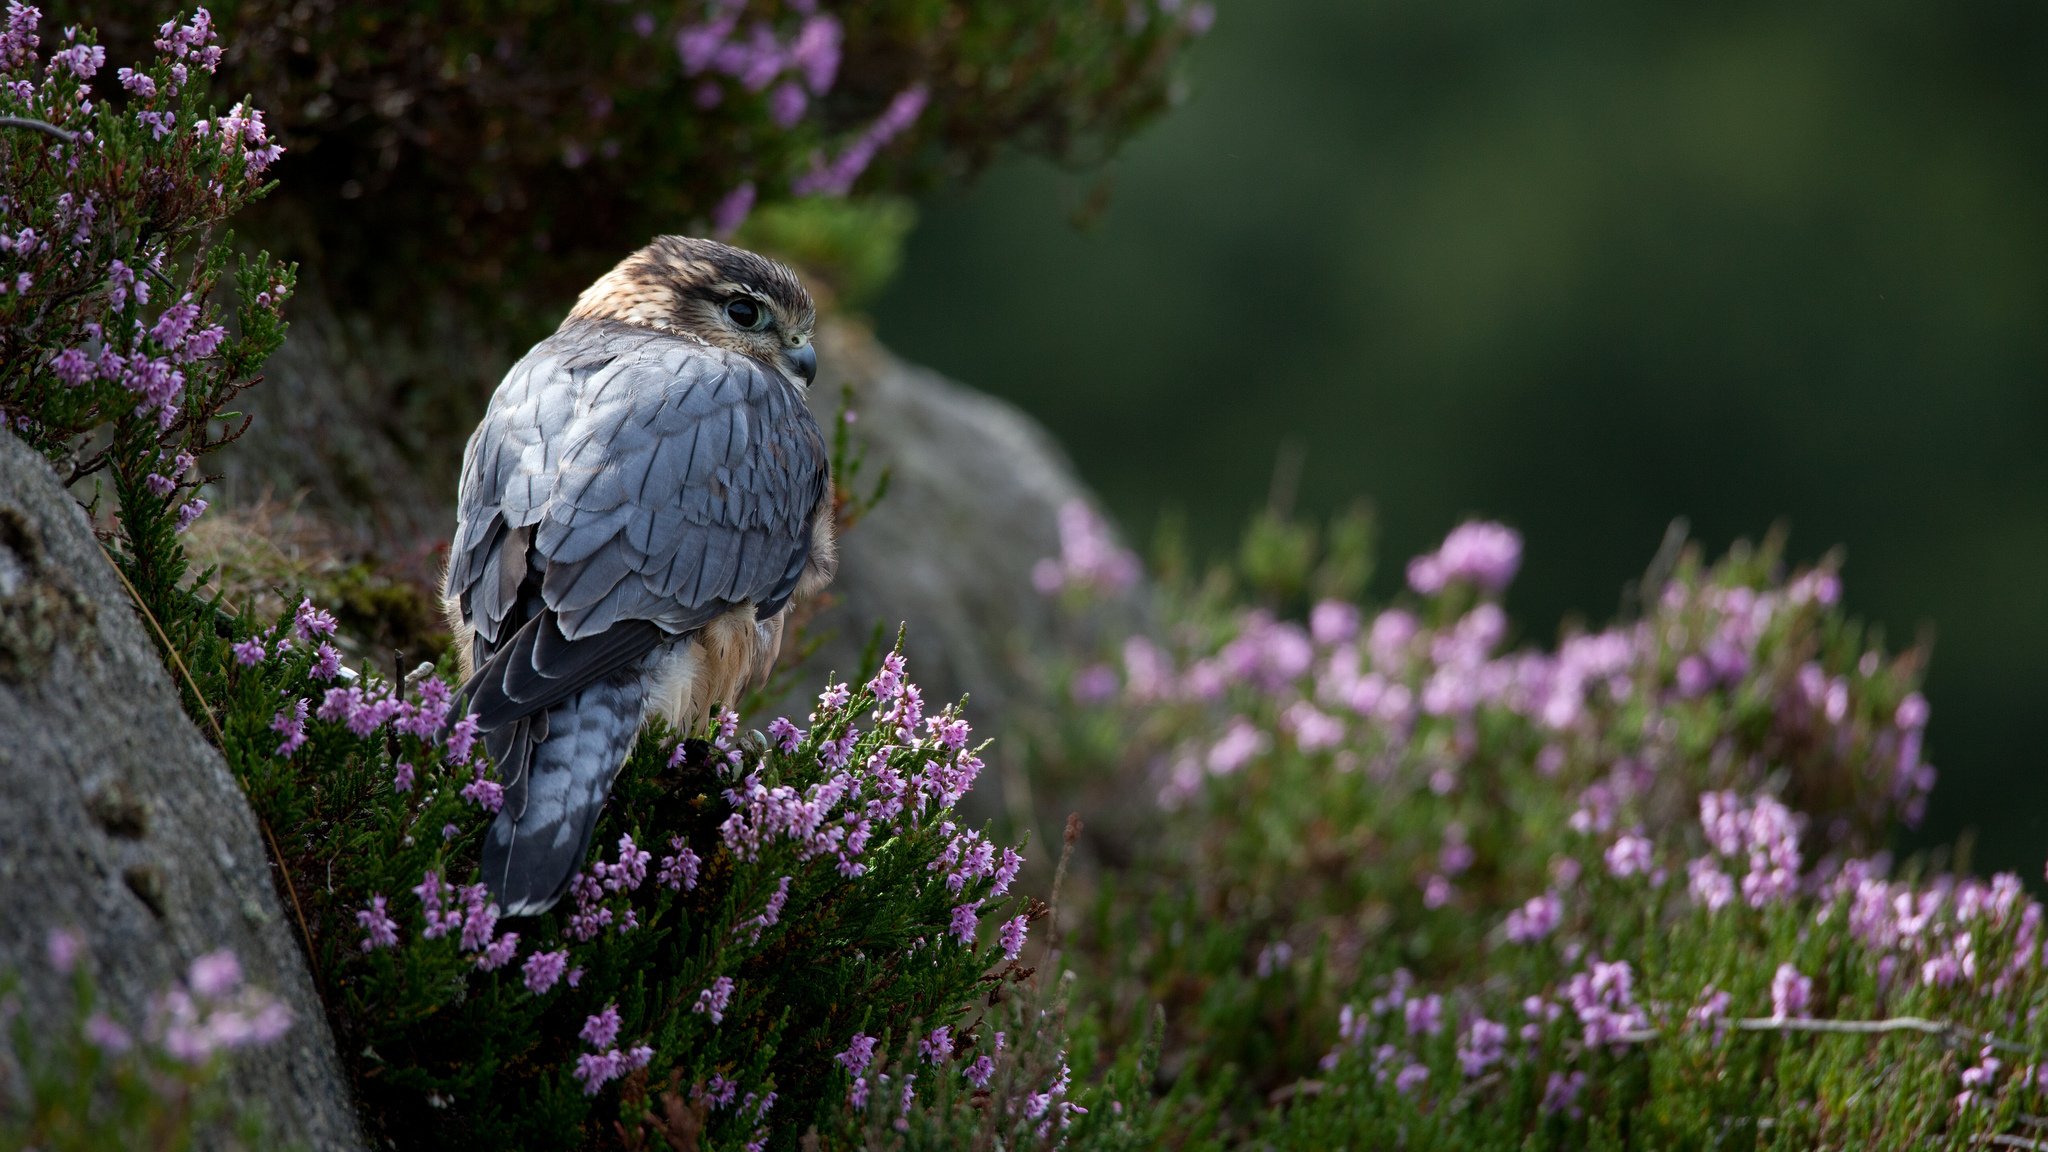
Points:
x=559 y=766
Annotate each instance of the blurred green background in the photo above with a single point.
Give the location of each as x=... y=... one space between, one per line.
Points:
x=1585 y=267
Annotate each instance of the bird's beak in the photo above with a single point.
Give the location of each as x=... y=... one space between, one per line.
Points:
x=802 y=363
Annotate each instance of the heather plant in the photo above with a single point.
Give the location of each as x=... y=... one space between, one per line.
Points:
x=121 y=348
x=515 y=146
x=1410 y=886
x=95 y=1083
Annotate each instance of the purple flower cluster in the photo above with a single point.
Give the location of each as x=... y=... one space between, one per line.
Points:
x=1765 y=833
x=210 y=1012
x=1090 y=557
x=605 y=1063
x=1480 y=553
x=1603 y=997
x=836 y=176
x=920 y=765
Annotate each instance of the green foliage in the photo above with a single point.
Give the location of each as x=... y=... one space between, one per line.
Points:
x=1409 y=888
x=94 y=1084
x=847 y=248
x=117 y=349
x=515 y=147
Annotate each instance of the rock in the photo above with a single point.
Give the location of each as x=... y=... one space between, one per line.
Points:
x=973 y=502
x=120 y=822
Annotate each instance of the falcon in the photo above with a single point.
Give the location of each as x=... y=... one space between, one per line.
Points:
x=646 y=495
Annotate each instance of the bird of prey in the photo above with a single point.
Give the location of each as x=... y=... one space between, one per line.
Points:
x=644 y=497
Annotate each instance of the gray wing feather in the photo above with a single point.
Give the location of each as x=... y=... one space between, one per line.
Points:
x=660 y=480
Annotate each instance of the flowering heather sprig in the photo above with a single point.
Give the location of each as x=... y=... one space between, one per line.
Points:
x=1090 y=557
x=543 y=970
x=1480 y=553
x=381 y=931
x=714 y=1000
x=291 y=724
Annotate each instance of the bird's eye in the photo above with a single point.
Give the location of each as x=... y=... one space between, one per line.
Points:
x=746 y=313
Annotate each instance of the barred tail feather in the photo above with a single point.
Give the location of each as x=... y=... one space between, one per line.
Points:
x=570 y=759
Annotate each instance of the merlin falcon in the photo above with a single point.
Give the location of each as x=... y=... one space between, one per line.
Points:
x=644 y=499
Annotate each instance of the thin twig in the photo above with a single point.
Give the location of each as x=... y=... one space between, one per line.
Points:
x=276 y=856
x=2017 y=1142
x=299 y=913
x=43 y=126
x=1059 y=876
x=191 y=682
x=1953 y=1033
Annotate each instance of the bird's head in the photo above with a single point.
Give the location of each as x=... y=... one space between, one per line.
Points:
x=727 y=297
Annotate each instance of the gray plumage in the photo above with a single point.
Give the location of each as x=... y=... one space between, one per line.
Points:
x=627 y=487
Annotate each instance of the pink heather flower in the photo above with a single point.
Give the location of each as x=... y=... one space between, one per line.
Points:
x=1332 y=622
x=402 y=777
x=815 y=52
x=965 y=922
x=461 y=738
x=1712 y=1008
x=327 y=665
x=679 y=872
x=859 y=1052
x=574 y=977
x=1603 y=997
x=1481 y=553
x=381 y=929
x=499 y=952
x=596 y=1069
x=600 y=1030
x=1561 y=1093
x=1313 y=729
x=543 y=969
x=73 y=367
x=311 y=623
x=1536 y=919
x=488 y=795
x=1631 y=854
x=1011 y=937
x=1424 y=1015
x=1090 y=557
x=1410 y=1078
x=189 y=511
x=786 y=104
x=102 y=1033
x=1980 y=1079
x=1095 y=684
x=250 y=652
x=714 y=1000
x=1240 y=742
x=63 y=947
x=981 y=1071
x=1482 y=1046
x=138 y=83
x=291 y=724
x=733 y=209
x=937 y=1046
x=771 y=913
x=785 y=735
x=215 y=976
x=631 y=869
x=1436 y=891
x=1790 y=992
x=834 y=697
x=1712 y=888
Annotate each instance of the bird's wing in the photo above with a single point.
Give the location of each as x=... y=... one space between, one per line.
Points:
x=624 y=487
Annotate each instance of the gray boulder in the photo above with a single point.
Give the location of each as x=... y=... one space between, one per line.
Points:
x=120 y=822
x=975 y=489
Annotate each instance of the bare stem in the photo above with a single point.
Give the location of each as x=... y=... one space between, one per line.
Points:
x=33 y=125
x=1954 y=1034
